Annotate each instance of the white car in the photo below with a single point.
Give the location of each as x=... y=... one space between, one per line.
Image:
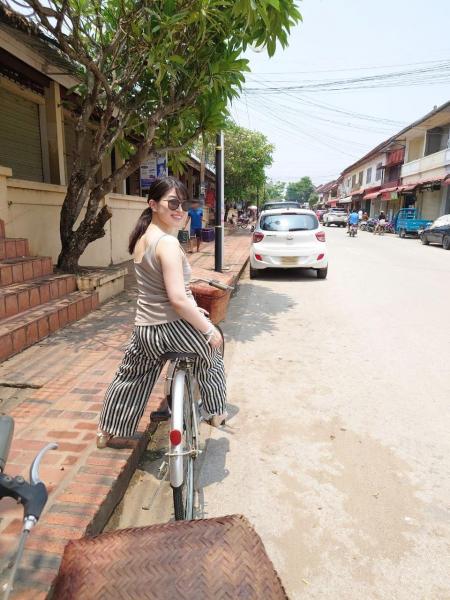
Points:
x=286 y=239
x=335 y=216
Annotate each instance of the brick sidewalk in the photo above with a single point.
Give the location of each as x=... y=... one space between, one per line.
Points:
x=71 y=370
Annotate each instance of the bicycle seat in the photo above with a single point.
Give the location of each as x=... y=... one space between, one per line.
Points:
x=178 y=356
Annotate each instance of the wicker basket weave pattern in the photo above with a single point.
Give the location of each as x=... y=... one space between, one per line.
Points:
x=210 y=559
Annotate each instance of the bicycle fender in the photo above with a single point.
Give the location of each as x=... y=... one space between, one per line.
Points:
x=176 y=460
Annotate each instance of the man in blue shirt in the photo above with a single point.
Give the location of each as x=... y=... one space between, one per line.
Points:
x=195 y=221
x=353 y=219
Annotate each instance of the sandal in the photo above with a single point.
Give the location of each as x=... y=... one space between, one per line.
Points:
x=102 y=439
x=218 y=420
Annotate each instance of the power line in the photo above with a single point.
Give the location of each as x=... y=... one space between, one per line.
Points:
x=429 y=75
x=368 y=68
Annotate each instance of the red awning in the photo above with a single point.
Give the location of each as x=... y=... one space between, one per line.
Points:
x=372 y=195
x=424 y=181
x=408 y=188
x=331 y=203
x=447 y=180
x=391 y=189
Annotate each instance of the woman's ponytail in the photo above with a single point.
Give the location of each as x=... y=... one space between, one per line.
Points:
x=140 y=228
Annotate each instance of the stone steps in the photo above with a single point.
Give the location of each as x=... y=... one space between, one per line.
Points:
x=17 y=297
x=18 y=270
x=34 y=302
x=32 y=325
x=13 y=248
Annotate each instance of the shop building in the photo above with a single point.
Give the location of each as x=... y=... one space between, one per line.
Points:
x=37 y=137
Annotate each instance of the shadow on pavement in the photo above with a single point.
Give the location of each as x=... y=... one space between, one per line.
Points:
x=255 y=310
x=100 y=326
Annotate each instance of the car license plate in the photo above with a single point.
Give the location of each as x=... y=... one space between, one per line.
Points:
x=289 y=260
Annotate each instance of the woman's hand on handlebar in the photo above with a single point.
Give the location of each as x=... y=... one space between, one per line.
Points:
x=216 y=339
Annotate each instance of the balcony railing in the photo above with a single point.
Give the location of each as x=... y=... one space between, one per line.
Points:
x=431 y=162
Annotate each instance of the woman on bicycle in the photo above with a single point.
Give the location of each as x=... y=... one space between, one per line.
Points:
x=167 y=319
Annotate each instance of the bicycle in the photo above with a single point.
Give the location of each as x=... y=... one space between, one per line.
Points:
x=32 y=495
x=353 y=230
x=184 y=433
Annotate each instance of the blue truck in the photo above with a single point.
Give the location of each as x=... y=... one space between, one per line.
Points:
x=407 y=222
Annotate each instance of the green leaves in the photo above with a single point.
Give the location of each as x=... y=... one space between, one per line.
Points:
x=300 y=190
x=166 y=69
x=247 y=154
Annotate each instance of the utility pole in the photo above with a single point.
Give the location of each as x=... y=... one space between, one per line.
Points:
x=218 y=245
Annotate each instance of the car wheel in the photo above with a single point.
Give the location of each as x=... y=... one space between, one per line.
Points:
x=253 y=273
x=446 y=242
x=423 y=239
x=402 y=233
x=322 y=273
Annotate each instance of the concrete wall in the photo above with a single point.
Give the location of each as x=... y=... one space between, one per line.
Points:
x=31 y=210
x=346 y=187
x=414 y=149
x=431 y=203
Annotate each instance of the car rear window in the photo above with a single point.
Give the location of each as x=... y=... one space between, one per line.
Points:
x=288 y=222
x=281 y=205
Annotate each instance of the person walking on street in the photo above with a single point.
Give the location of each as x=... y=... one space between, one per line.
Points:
x=167 y=319
x=195 y=223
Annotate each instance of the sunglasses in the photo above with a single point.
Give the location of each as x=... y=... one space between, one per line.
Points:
x=174 y=204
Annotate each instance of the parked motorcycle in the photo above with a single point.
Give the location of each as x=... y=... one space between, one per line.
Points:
x=371 y=224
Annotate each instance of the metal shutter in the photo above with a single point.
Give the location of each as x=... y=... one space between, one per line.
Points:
x=431 y=204
x=20 y=137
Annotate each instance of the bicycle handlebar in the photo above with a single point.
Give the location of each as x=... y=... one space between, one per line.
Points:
x=214 y=283
x=32 y=495
x=6 y=434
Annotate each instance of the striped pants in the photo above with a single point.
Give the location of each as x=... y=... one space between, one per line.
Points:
x=127 y=395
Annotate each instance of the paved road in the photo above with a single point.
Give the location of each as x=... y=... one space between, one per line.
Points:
x=338 y=451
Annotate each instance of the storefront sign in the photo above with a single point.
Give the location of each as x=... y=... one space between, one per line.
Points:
x=154 y=166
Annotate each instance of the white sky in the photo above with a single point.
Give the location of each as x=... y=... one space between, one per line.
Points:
x=339 y=39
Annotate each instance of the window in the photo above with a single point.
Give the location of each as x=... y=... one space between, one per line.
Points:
x=360 y=177
x=369 y=175
x=288 y=222
x=379 y=172
x=353 y=180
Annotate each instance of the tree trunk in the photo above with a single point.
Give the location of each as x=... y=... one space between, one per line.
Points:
x=74 y=243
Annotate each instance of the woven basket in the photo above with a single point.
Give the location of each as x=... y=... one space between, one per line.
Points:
x=216 y=559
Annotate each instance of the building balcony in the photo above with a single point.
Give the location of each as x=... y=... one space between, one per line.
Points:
x=390 y=183
x=435 y=164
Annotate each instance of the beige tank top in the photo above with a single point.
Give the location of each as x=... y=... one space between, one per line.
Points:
x=153 y=305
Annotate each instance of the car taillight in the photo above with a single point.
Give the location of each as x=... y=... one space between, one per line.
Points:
x=175 y=437
x=320 y=256
x=257 y=236
x=258 y=257
x=320 y=235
